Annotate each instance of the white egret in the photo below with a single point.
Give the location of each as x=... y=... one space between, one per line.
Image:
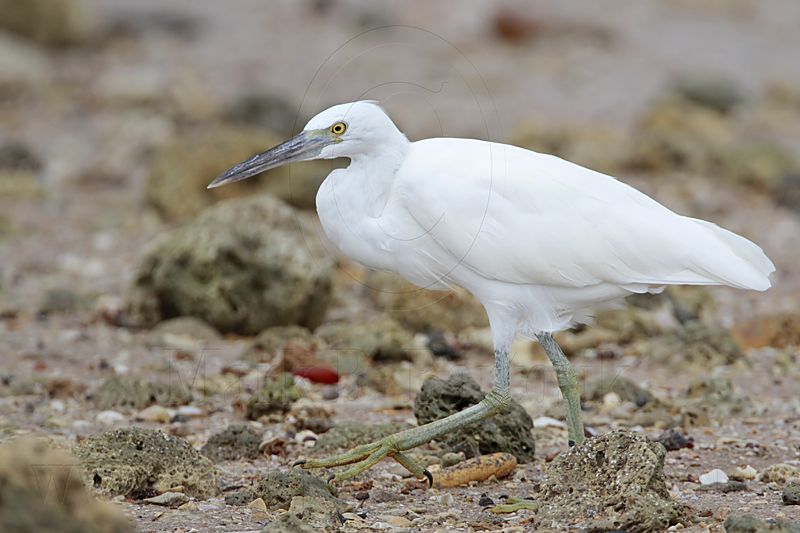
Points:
x=540 y=241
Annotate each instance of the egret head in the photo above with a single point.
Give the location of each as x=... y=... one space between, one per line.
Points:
x=344 y=130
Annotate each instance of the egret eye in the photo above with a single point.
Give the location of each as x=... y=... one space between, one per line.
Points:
x=339 y=128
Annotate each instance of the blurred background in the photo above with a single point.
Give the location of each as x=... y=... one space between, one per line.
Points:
x=115 y=114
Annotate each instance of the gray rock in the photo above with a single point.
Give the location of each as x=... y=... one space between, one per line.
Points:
x=243 y=265
x=277 y=488
x=270 y=342
x=22 y=65
x=612 y=482
x=135 y=462
x=787 y=192
x=188 y=327
x=49 y=22
x=307 y=515
x=41 y=491
x=424 y=310
x=626 y=389
x=276 y=396
x=508 y=432
x=791 y=493
x=382 y=339
x=168 y=499
x=751 y=524
x=138 y=393
x=237 y=441
x=60 y=300
x=713 y=92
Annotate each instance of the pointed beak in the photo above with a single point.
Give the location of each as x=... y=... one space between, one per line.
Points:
x=304 y=146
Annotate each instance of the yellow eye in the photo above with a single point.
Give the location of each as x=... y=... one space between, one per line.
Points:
x=339 y=128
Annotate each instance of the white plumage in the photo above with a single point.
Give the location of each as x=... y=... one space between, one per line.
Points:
x=539 y=241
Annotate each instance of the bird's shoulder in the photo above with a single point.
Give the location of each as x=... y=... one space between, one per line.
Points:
x=438 y=165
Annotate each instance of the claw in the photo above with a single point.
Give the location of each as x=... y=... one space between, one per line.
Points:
x=299 y=462
x=428 y=475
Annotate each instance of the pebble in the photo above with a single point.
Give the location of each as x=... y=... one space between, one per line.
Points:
x=259 y=507
x=611 y=400
x=547 y=422
x=446 y=500
x=779 y=473
x=155 y=413
x=485 y=501
x=110 y=418
x=715 y=476
x=791 y=493
x=190 y=411
x=306 y=437
x=169 y=499
x=744 y=473
x=397 y=521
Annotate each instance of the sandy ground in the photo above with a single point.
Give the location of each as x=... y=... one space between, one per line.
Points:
x=439 y=74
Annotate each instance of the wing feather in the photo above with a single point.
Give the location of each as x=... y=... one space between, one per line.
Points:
x=521 y=217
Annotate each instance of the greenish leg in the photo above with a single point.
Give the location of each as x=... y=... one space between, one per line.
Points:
x=368 y=455
x=568 y=383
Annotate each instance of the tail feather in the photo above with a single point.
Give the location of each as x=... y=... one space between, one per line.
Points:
x=753 y=267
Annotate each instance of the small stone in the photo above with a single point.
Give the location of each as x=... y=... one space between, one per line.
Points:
x=237 y=441
x=109 y=418
x=41 y=491
x=239 y=498
x=397 y=521
x=384 y=496
x=508 y=433
x=190 y=411
x=139 y=461
x=751 y=524
x=791 y=493
x=673 y=440
x=780 y=473
x=278 y=489
x=485 y=501
x=623 y=388
x=714 y=476
x=168 y=499
x=306 y=514
x=53 y=23
x=452 y=458
x=60 y=300
x=611 y=400
x=380 y=339
x=138 y=393
x=744 y=473
x=276 y=396
x=258 y=506
x=155 y=413
x=548 y=422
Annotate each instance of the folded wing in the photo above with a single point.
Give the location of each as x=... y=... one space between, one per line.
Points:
x=521 y=217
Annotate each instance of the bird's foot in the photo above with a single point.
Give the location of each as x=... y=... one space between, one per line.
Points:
x=368 y=455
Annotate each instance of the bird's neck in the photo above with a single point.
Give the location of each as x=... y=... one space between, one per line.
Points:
x=372 y=175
